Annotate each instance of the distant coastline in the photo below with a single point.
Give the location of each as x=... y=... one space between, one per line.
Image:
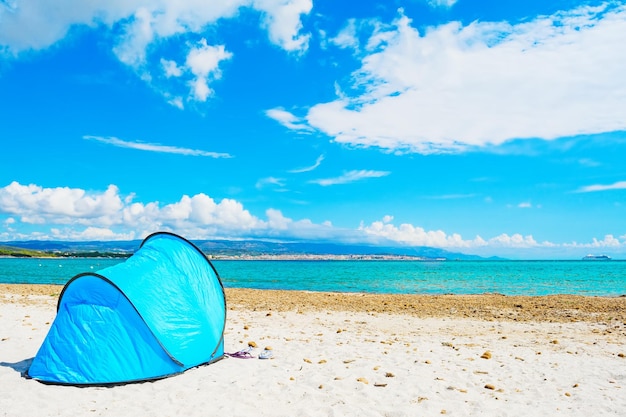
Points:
x=237 y=250
x=317 y=257
x=106 y=250
x=240 y=257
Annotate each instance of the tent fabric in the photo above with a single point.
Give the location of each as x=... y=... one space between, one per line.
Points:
x=159 y=313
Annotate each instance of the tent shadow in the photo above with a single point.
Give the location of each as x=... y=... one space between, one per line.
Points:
x=21 y=366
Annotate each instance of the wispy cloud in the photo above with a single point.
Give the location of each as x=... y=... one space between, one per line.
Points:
x=522 y=205
x=620 y=185
x=155 y=147
x=351 y=176
x=317 y=163
x=441 y=3
x=288 y=119
x=279 y=182
x=586 y=162
x=451 y=196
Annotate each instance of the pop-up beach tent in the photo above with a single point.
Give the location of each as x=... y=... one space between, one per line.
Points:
x=157 y=314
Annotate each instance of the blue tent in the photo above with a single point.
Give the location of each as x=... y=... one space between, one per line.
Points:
x=157 y=314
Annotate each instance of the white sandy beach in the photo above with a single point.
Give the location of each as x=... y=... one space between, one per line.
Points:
x=346 y=363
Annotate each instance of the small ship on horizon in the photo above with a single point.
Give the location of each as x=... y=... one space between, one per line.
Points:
x=591 y=257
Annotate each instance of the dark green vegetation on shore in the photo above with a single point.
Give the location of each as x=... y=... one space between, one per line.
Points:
x=17 y=252
x=22 y=253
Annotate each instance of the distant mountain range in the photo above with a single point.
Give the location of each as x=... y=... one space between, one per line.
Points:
x=247 y=248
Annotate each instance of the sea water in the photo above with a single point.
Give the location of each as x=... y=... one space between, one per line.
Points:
x=597 y=278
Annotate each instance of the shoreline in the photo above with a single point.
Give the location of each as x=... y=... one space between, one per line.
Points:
x=549 y=308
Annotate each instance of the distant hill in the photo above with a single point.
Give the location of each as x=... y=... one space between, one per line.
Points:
x=128 y=246
x=257 y=247
x=20 y=252
x=232 y=248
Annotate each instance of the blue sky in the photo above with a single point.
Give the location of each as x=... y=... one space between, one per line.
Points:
x=482 y=127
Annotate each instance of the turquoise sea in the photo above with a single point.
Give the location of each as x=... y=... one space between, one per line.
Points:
x=600 y=278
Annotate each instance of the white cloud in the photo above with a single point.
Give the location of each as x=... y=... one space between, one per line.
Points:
x=177 y=102
x=347 y=36
x=282 y=20
x=288 y=119
x=153 y=147
x=141 y=23
x=171 y=69
x=619 y=185
x=351 y=176
x=408 y=234
x=317 y=163
x=608 y=242
x=516 y=246
x=75 y=214
x=139 y=28
x=513 y=241
x=203 y=62
x=276 y=220
x=280 y=226
x=34 y=204
x=454 y=86
x=49 y=22
x=442 y=3
x=202 y=211
x=353 y=34
x=139 y=33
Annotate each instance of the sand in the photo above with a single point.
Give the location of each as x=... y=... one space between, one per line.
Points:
x=357 y=355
